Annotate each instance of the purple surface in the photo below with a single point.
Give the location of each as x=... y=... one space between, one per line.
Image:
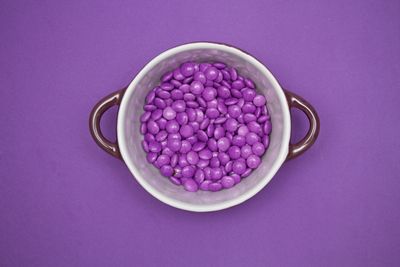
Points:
x=64 y=202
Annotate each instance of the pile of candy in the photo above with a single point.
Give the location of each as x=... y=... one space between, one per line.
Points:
x=205 y=126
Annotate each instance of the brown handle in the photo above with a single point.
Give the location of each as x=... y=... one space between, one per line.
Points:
x=304 y=144
x=94 y=122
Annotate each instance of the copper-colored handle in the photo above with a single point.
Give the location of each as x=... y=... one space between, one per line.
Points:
x=304 y=144
x=94 y=122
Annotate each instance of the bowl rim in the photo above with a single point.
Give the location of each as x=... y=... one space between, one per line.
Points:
x=122 y=116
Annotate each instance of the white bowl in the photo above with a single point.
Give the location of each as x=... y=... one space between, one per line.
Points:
x=131 y=100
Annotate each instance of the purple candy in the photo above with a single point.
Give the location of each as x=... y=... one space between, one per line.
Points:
x=199 y=76
x=253 y=161
x=223 y=158
x=214 y=162
x=196 y=87
x=211 y=73
x=199 y=176
x=182 y=118
x=212 y=144
x=239 y=166
x=150 y=97
x=223 y=144
x=259 y=100
x=205 y=185
x=227 y=182
x=231 y=125
x=187 y=69
x=233 y=74
x=209 y=93
x=151 y=157
x=190 y=185
x=246 y=173
x=238 y=84
x=176 y=94
x=239 y=140
x=186 y=146
x=246 y=151
x=214 y=187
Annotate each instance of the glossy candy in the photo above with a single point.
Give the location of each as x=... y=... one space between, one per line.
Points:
x=205 y=126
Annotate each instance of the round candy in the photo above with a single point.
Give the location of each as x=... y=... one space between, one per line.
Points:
x=231 y=125
x=227 y=182
x=253 y=161
x=153 y=127
x=202 y=136
x=186 y=146
x=212 y=113
x=182 y=118
x=169 y=113
x=187 y=69
x=167 y=170
x=243 y=130
x=248 y=94
x=205 y=154
x=186 y=131
x=248 y=108
x=223 y=144
x=198 y=146
x=154 y=146
x=233 y=74
x=239 y=140
x=162 y=160
x=199 y=76
x=223 y=158
x=234 y=111
x=239 y=167
x=252 y=138
x=246 y=151
x=214 y=162
x=156 y=114
x=178 y=75
x=214 y=187
x=238 y=84
x=234 y=152
x=209 y=93
x=199 y=176
x=259 y=100
x=212 y=144
x=162 y=123
x=211 y=73
x=216 y=173
x=174 y=144
x=224 y=92
x=190 y=185
x=145 y=116
x=179 y=105
x=150 y=97
x=172 y=126
x=192 y=157
x=267 y=127
x=258 y=149
x=219 y=132
x=176 y=94
x=196 y=87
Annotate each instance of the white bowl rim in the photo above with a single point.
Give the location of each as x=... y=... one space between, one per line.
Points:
x=280 y=159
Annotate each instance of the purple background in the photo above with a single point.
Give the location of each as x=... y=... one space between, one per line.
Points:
x=64 y=202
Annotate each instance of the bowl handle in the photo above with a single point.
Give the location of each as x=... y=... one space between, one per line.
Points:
x=94 y=122
x=304 y=144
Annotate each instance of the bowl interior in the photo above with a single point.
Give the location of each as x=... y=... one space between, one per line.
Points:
x=129 y=137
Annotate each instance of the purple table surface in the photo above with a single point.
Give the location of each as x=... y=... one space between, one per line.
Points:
x=64 y=202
